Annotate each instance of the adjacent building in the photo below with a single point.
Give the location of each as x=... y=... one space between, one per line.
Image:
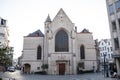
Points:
x=4 y=42
x=113 y=8
x=106 y=52
x=61 y=47
x=97 y=54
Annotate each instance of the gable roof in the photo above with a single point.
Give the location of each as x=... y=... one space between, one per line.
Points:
x=61 y=13
x=85 y=31
x=37 y=33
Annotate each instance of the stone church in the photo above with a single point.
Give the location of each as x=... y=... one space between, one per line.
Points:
x=61 y=47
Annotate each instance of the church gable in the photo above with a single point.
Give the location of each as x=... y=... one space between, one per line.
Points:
x=60 y=15
x=62 y=20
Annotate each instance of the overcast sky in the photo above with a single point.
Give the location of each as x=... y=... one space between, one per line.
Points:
x=27 y=16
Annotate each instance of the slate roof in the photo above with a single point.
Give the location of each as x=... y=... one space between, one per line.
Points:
x=85 y=31
x=37 y=33
x=48 y=19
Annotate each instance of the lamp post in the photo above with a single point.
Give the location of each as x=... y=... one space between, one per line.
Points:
x=105 y=67
x=104 y=64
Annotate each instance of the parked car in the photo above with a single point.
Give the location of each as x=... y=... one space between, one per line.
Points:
x=11 y=68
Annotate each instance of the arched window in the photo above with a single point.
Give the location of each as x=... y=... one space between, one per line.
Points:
x=82 y=52
x=61 y=41
x=39 y=52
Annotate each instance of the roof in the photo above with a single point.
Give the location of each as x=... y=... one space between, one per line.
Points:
x=85 y=31
x=37 y=33
x=61 y=15
x=105 y=40
x=48 y=19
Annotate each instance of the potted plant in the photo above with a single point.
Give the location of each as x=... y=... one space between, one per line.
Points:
x=0 y=78
x=44 y=68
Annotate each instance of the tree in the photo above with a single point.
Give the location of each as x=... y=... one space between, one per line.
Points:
x=0 y=78
x=4 y=57
x=44 y=66
x=2 y=54
x=80 y=67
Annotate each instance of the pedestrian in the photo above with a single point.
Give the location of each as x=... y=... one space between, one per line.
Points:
x=114 y=69
x=114 y=75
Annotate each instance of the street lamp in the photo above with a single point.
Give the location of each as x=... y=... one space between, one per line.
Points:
x=105 y=67
x=104 y=63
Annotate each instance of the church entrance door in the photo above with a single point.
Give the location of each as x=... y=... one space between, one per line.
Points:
x=26 y=68
x=61 y=68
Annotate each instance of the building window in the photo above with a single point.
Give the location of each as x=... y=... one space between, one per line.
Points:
x=102 y=43
x=101 y=54
x=111 y=9
x=39 y=52
x=119 y=23
x=105 y=47
x=61 y=41
x=82 y=52
x=111 y=48
x=109 y=56
x=116 y=43
x=117 y=5
x=113 y=26
x=108 y=49
x=2 y=34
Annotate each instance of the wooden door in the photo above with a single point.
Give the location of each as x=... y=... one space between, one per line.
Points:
x=61 y=68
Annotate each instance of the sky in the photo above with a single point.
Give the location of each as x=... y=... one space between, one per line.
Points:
x=26 y=16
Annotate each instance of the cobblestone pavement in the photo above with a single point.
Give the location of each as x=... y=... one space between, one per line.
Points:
x=18 y=76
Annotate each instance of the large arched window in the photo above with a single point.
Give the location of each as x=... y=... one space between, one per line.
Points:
x=82 y=52
x=61 y=41
x=39 y=52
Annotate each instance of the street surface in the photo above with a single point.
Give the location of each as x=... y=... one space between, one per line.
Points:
x=17 y=75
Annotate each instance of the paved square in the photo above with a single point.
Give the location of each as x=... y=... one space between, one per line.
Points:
x=19 y=76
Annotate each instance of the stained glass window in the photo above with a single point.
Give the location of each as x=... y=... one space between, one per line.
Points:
x=61 y=41
x=39 y=52
x=82 y=52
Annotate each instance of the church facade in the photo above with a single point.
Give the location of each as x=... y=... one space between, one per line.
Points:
x=61 y=48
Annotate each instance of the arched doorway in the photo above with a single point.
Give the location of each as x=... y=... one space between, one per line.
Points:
x=26 y=68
